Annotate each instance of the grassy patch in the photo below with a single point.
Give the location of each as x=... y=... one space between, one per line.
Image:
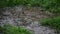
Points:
x=14 y=30
x=52 y=22
x=51 y=5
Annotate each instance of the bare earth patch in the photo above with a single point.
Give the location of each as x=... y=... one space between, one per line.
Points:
x=27 y=17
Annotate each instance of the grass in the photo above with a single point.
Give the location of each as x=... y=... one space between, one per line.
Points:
x=52 y=22
x=14 y=30
x=51 y=5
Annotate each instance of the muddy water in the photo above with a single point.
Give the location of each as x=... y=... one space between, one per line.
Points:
x=27 y=17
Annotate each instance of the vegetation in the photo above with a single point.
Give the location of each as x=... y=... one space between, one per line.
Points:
x=14 y=30
x=51 y=5
x=52 y=22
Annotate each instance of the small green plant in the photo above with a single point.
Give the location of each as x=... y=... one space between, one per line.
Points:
x=14 y=30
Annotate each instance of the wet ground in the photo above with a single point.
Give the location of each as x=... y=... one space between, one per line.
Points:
x=27 y=17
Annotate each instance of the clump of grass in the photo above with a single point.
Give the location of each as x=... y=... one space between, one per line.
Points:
x=14 y=30
x=52 y=22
